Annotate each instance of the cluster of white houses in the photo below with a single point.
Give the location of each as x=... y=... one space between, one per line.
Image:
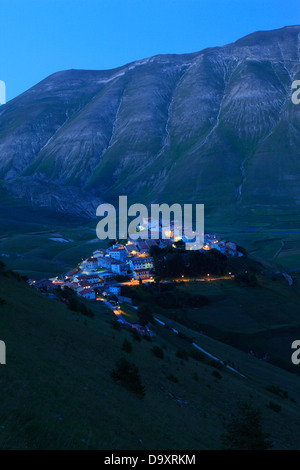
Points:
x=97 y=272
x=210 y=240
x=227 y=248
x=129 y=259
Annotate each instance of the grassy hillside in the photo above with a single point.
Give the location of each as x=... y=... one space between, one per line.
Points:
x=263 y=318
x=57 y=392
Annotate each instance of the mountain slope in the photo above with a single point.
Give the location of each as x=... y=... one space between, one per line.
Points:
x=57 y=392
x=216 y=127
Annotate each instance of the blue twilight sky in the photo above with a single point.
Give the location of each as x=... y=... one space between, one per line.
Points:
x=40 y=37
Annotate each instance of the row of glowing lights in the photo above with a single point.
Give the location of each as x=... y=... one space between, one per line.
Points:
x=208 y=275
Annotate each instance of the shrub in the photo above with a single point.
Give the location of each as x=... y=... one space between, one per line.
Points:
x=73 y=304
x=276 y=390
x=83 y=309
x=185 y=337
x=2 y=302
x=144 y=314
x=158 y=352
x=182 y=354
x=216 y=364
x=128 y=375
x=136 y=336
x=173 y=378
x=216 y=374
x=244 y=429
x=86 y=311
x=197 y=355
x=274 y=406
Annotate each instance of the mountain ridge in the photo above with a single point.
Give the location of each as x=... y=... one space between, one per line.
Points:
x=215 y=126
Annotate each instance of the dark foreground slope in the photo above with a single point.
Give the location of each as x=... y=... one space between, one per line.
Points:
x=56 y=389
x=216 y=127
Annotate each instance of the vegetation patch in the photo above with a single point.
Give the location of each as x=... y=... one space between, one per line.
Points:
x=128 y=375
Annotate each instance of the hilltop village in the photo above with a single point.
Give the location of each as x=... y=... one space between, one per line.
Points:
x=106 y=269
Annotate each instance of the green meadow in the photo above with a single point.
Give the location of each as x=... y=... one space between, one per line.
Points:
x=263 y=318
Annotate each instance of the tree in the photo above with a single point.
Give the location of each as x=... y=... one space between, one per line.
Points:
x=157 y=280
x=83 y=309
x=158 y=352
x=67 y=293
x=244 y=430
x=73 y=304
x=86 y=311
x=175 y=264
x=182 y=354
x=128 y=375
x=155 y=251
x=144 y=314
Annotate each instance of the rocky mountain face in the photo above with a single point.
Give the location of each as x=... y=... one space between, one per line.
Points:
x=216 y=127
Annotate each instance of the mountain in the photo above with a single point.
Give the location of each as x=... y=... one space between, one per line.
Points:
x=216 y=127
